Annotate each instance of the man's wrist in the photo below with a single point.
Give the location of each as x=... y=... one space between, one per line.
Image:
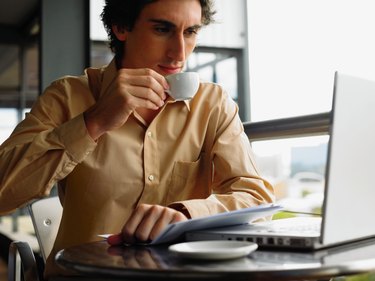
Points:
x=92 y=128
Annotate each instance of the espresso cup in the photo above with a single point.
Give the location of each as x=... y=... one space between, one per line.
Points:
x=183 y=85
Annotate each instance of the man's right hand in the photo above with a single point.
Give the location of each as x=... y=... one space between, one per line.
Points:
x=131 y=89
x=145 y=223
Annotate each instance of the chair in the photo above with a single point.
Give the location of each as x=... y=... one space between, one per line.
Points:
x=21 y=263
x=46 y=216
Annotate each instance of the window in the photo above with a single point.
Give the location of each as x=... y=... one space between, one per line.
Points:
x=18 y=84
x=8 y=120
x=296 y=46
x=294 y=49
x=296 y=167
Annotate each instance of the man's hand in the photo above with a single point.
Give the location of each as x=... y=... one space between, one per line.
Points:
x=131 y=89
x=146 y=223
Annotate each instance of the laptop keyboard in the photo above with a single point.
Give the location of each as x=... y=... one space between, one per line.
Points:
x=297 y=226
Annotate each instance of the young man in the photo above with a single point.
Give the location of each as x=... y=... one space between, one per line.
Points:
x=127 y=157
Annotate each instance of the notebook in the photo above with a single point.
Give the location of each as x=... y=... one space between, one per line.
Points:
x=348 y=207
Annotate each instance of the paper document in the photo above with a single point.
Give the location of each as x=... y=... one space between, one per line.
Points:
x=176 y=231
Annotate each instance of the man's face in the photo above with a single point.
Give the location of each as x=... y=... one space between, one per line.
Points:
x=163 y=36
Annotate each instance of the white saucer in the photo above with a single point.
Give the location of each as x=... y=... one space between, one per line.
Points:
x=213 y=250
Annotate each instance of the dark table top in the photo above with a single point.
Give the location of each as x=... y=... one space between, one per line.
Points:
x=157 y=263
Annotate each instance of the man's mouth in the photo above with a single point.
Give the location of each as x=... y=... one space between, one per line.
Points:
x=170 y=69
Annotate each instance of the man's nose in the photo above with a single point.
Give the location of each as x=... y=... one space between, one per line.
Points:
x=177 y=48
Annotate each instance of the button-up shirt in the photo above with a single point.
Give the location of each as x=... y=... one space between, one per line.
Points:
x=194 y=153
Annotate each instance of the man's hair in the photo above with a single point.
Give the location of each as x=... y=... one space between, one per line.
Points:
x=124 y=13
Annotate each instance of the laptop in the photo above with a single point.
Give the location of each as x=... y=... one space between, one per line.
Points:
x=349 y=195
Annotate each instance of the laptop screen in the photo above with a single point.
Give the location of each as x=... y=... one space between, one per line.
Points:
x=350 y=178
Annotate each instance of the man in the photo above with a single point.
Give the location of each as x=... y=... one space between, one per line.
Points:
x=128 y=158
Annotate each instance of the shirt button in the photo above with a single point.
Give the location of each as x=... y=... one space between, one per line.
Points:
x=151 y=177
x=149 y=134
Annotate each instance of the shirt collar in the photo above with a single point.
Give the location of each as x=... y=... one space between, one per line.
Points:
x=108 y=76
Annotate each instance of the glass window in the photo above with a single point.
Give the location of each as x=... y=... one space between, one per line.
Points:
x=296 y=168
x=217 y=68
x=9 y=67
x=19 y=82
x=97 y=31
x=296 y=46
x=8 y=120
x=227 y=75
x=100 y=53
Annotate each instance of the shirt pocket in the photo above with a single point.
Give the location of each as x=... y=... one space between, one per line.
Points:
x=184 y=180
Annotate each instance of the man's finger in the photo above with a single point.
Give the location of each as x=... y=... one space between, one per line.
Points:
x=115 y=239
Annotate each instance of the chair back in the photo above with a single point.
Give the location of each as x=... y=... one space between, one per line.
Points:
x=21 y=263
x=46 y=215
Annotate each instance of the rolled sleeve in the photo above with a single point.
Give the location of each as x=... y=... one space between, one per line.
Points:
x=75 y=138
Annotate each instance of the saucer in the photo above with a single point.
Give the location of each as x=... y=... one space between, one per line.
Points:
x=213 y=250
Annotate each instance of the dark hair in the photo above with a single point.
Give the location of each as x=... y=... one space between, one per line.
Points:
x=124 y=14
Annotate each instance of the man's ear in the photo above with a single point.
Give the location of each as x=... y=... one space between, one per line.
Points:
x=120 y=32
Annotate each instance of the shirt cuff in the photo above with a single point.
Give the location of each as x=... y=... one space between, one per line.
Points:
x=201 y=207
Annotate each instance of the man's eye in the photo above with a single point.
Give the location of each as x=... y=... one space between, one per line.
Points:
x=191 y=32
x=162 y=29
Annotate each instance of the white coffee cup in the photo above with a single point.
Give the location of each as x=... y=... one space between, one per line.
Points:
x=183 y=85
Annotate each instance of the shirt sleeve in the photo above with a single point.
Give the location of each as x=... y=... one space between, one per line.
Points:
x=236 y=182
x=43 y=149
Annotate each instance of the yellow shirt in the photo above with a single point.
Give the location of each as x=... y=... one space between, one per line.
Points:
x=194 y=152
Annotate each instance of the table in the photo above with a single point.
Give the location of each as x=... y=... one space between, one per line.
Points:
x=98 y=259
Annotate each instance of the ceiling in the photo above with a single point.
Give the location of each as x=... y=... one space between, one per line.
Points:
x=18 y=19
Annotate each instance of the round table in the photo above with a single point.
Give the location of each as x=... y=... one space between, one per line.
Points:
x=157 y=263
